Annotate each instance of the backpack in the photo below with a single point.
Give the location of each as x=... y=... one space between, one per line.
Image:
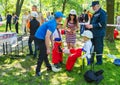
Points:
x=92 y=76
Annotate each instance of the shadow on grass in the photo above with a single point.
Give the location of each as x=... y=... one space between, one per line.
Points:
x=112 y=47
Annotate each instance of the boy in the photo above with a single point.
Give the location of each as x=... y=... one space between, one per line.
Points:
x=33 y=25
x=56 y=51
x=75 y=53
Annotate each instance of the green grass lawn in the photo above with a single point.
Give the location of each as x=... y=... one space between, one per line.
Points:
x=21 y=70
x=3 y=28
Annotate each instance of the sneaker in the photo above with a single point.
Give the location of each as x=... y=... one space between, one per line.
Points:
x=38 y=74
x=54 y=69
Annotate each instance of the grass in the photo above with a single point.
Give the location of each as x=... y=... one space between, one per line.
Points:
x=21 y=70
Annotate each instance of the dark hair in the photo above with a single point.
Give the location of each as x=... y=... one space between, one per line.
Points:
x=52 y=13
x=85 y=10
x=35 y=6
x=74 y=20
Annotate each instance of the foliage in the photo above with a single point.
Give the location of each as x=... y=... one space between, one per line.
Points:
x=21 y=70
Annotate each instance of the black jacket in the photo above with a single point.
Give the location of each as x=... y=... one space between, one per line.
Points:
x=34 y=24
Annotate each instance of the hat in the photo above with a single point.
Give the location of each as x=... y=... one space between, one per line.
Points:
x=87 y=34
x=58 y=14
x=94 y=3
x=73 y=12
x=34 y=14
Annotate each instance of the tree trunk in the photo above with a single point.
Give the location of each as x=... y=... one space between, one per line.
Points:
x=19 y=4
x=110 y=12
x=117 y=8
x=64 y=4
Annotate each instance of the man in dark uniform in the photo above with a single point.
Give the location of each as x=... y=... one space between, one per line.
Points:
x=8 y=21
x=98 y=27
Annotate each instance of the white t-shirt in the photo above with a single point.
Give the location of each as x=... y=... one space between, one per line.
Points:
x=87 y=48
x=24 y=19
x=56 y=34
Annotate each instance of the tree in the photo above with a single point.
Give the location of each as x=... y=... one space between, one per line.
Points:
x=64 y=5
x=19 y=4
x=110 y=20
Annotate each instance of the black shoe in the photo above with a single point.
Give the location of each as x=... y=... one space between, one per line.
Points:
x=49 y=68
x=38 y=74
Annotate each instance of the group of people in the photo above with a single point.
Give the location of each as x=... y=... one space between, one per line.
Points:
x=44 y=33
x=11 y=19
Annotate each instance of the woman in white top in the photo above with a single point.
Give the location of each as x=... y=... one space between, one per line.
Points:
x=24 y=22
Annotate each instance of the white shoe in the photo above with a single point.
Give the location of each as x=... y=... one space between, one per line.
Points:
x=54 y=69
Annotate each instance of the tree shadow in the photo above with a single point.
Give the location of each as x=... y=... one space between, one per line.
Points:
x=112 y=46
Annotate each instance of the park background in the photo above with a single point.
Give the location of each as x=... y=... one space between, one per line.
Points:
x=21 y=71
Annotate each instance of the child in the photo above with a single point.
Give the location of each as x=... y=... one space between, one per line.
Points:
x=75 y=53
x=56 y=51
x=33 y=26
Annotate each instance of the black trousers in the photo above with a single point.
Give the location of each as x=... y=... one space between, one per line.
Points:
x=30 y=40
x=16 y=27
x=8 y=23
x=98 y=48
x=42 y=55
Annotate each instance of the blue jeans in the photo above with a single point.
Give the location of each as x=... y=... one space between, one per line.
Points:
x=31 y=39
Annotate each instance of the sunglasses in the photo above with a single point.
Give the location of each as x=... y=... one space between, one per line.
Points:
x=59 y=24
x=72 y=15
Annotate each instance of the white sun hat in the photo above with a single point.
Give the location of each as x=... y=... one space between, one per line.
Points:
x=87 y=34
x=34 y=14
x=73 y=12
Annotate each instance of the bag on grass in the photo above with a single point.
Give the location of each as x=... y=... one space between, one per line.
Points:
x=92 y=76
x=117 y=62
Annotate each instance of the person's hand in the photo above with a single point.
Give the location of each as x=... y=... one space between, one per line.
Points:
x=68 y=29
x=89 y=26
x=48 y=51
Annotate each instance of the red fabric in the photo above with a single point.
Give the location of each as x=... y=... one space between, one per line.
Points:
x=62 y=31
x=56 y=55
x=116 y=33
x=72 y=59
x=72 y=50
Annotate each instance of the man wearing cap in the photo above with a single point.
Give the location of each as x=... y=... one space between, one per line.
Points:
x=43 y=39
x=98 y=27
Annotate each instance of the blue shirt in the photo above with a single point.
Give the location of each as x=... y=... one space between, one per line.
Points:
x=42 y=30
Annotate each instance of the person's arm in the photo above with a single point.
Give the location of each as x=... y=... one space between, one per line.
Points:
x=65 y=24
x=47 y=41
x=52 y=41
x=102 y=22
